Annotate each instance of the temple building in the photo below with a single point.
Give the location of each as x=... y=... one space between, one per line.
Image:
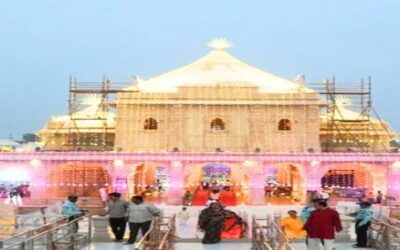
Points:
x=216 y=103
x=91 y=128
x=214 y=123
x=346 y=130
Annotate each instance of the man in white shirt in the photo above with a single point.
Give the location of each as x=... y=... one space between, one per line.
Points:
x=183 y=216
x=140 y=215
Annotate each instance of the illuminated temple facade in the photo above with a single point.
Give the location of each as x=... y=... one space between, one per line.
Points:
x=91 y=128
x=216 y=119
x=217 y=103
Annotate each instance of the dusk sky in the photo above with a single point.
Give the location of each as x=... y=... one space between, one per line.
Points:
x=43 y=42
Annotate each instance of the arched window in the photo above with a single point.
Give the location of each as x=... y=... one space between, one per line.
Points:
x=285 y=124
x=217 y=124
x=150 y=124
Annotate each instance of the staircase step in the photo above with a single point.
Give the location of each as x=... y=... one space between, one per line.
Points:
x=219 y=246
x=197 y=240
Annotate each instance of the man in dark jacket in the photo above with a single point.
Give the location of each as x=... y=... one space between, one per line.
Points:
x=363 y=221
x=321 y=227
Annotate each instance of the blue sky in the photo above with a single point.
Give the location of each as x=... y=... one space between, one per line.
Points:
x=43 y=42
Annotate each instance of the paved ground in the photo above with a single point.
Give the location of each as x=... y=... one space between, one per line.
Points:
x=178 y=246
x=199 y=246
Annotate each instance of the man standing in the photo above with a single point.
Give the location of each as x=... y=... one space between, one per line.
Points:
x=321 y=227
x=187 y=198
x=116 y=213
x=140 y=215
x=307 y=210
x=71 y=210
x=363 y=221
x=379 y=197
x=183 y=216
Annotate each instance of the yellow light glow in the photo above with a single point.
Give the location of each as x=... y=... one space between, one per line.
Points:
x=35 y=162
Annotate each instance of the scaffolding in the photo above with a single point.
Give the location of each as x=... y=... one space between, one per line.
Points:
x=103 y=139
x=344 y=132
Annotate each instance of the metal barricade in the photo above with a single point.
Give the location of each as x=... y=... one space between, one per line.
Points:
x=258 y=237
x=384 y=234
x=20 y=237
x=54 y=236
x=268 y=235
x=160 y=234
x=169 y=235
x=281 y=241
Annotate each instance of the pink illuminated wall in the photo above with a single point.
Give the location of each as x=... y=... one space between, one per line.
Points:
x=121 y=165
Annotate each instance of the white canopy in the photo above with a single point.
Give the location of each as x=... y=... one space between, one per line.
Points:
x=8 y=143
x=219 y=67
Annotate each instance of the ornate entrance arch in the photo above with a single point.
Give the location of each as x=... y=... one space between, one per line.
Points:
x=287 y=179
x=232 y=175
x=355 y=176
x=143 y=177
x=83 y=179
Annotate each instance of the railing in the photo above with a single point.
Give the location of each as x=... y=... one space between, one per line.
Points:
x=269 y=235
x=259 y=239
x=281 y=239
x=28 y=220
x=169 y=236
x=159 y=236
x=20 y=237
x=141 y=244
x=384 y=234
x=53 y=236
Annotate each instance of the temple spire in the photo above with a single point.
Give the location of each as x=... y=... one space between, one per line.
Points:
x=220 y=44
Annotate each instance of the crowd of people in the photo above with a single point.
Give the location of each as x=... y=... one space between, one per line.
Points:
x=317 y=222
x=207 y=193
x=14 y=194
x=11 y=191
x=137 y=214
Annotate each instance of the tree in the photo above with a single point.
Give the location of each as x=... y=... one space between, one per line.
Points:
x=29 y=137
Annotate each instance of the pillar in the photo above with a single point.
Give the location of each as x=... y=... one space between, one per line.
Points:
x=176 y=185
x=257 y=181
x=39 y=172
x=393 y=180
x=119 y=178
x=313 y=174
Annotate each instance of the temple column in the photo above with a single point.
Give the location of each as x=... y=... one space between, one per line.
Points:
x=176 y=185
x=393 y=180
x=119 y=178
x=313 y=174
x=257 y=180
x=39 y=172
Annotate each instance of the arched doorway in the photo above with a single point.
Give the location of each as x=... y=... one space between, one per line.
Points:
x=284 y=182
x=15 y=182
x=229 y=179
x=353 y=180
x=216 y=173
x=83 y=179
x=143 y=178
x=150 y=180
